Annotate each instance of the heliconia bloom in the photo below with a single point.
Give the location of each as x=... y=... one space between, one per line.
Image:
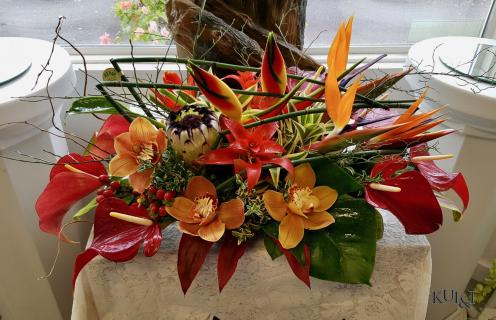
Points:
x=248 y=151
x=217 y=92
x=200 y=213
x=438 y=178
x=143 y=145
x=65 y=188
x=337 y=57
x=305 y=207
x=339 y=107
x=103 y=144
x=273 y=71
x=246 y=79
x=171 y=77
x=118 y=240
x=415 y=205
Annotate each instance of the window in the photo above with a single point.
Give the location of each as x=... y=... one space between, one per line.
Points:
x=378 y=22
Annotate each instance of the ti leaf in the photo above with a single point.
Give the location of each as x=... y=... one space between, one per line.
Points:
x=330 y=174
x=84 y=210
x=345 y=251
x=92 y=105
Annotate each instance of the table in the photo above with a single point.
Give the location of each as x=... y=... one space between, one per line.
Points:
x=148 y=288
x=472 y=112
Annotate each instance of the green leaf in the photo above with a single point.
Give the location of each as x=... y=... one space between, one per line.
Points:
x=345 y=251
x=380 y=225
x=330 y=174
x=84 y=210
x=271 y=248
x=92 y=105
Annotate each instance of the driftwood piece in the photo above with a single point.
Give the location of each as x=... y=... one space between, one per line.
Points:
x=221 y=33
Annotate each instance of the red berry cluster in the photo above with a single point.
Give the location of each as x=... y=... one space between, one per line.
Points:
x=108 y=190
x=158 y=199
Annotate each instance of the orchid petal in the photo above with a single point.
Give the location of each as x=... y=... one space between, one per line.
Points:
x=291 y=230
x=182 y=209
x=318 y=220
x=326 y=195
x=231 y=213
x=304 y=176
x=275 y=204
x=123 y=143
x=142 y=131
x=141 y=180
x=123 y=165
x=213 y=231
x=198 y=187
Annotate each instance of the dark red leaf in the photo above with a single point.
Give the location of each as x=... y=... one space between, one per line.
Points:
x=86 y=164
x=191 y=255
x=302 y=272
x=61 y=193
x=438 y=178
x=229 y=255
x=81 y=260
x=415 y=206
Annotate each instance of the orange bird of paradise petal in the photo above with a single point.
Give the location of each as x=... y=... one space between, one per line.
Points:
x=337 y=57
x=217 y=92
x=339 y=108
x=273 y=71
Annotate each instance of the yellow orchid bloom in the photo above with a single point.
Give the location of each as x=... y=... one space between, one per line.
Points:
x=200 y=215
x=142 y=145
x=305 y=207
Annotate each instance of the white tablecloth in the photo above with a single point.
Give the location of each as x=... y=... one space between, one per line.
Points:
x=148 y=288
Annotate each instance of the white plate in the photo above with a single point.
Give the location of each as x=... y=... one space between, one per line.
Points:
x=13 y=63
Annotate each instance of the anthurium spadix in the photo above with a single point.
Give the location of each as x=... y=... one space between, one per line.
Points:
x=217 y=92
x=273 y=72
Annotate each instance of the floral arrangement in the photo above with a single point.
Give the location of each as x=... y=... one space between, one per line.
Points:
x=302 y=159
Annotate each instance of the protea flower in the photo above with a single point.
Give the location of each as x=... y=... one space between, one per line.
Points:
x=192 y=131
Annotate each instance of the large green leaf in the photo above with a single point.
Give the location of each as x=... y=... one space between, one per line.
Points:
x=345 y=251
x=271 y=247
x=330 y=174
x=92 y=105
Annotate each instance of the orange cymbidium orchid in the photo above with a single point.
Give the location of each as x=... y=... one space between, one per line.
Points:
x=305 y=207
x=199 y=213
x=141 y=147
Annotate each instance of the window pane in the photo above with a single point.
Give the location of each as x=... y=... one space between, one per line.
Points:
x=376 y=21
x=395 y=21
x=87 y=21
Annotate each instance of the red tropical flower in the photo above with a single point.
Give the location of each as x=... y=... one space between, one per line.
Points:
x=118 y=240
x=249 y=150
x=407 y=195
x=103 y=145
x=71 y=179
x=438 y=178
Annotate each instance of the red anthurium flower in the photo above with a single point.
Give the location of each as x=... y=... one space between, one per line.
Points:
x=438 y=178
x=103 y=145
x=407 y=195
x=68 y=184
x=119 y=240
x=249 y=150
